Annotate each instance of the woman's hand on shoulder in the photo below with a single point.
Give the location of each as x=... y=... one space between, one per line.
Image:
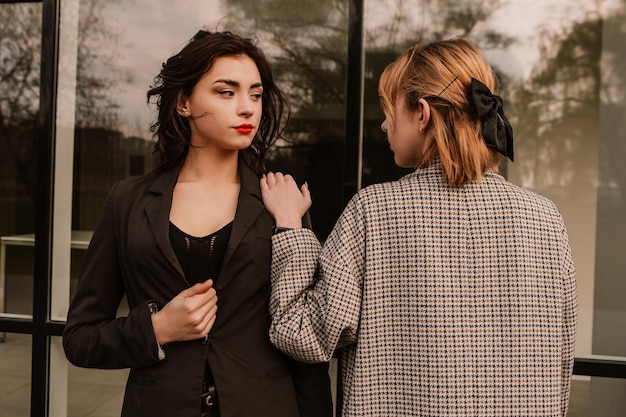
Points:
x=284 y=200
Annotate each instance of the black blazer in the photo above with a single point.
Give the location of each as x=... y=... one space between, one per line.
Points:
x=130 y=254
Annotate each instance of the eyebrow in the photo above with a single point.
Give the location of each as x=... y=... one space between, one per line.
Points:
x=236 y=83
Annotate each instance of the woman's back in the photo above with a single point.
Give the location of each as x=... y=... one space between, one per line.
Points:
x=463 y=294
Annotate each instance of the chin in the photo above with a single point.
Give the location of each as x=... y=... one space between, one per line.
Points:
x=243 y=144
x=404 y=164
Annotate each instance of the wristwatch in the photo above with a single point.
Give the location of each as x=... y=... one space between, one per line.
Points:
x=153 y=307
x=276 y=230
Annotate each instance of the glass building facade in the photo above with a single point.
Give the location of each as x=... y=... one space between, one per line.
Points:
x=74 y=119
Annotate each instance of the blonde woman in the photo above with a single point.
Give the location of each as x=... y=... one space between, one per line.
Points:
x=450 y=292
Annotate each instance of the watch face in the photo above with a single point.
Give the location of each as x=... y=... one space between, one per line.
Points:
x=276 y=230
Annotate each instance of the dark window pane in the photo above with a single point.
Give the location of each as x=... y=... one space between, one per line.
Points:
x=19 y=104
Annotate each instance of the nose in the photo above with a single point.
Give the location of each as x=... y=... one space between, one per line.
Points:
x=384 y=126
x=246 y=107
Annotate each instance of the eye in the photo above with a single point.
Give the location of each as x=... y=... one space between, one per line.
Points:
x=228 y=93
x=257 y=96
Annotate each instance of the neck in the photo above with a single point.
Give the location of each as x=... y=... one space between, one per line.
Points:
x=201 y=165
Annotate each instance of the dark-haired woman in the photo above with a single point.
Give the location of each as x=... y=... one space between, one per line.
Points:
x=189 y=246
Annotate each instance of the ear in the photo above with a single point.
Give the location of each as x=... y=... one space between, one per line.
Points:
x=182 y=107
x=423 y=114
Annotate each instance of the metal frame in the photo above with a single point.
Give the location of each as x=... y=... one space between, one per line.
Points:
x=605 y=368
x=40 y=327
x=354 y=101
x=43 y=227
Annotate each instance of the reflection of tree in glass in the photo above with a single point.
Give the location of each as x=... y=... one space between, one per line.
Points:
x=393 y=26
x=309 y=45
x=308 y=40
x=19 y=68
x=20 y=44
x=557 y=110
x=613 y=97
x=20 y=54
x=96 y=74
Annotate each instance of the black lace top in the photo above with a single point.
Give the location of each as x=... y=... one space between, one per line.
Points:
x=200 y=257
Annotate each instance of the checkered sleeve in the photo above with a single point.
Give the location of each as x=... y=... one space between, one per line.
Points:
x=316 y=293
x=570 y=308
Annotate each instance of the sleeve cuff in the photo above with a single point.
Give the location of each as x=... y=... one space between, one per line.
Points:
x=153 y=307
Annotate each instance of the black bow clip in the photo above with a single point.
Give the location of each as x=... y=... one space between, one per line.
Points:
x=497 y=130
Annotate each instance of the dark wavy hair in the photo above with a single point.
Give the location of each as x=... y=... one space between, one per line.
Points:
x=181 y=73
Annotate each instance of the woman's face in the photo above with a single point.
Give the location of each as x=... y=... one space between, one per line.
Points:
x=405 y=140
x=225 y=105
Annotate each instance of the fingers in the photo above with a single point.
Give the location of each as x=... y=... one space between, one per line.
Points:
x=199 y=288
x=188 y=316
x=209 y=320
x=306 y=193
x=203 y=287
x=202 y=301
x=273 y=179
x=204 y=319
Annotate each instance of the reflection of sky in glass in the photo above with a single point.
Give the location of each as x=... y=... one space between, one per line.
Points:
x=152 y=30
x=525 y=20
x=520 y=19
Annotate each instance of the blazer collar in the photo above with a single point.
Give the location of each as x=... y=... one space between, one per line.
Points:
x=158 y=213
x=435 y=169
x=249 y=207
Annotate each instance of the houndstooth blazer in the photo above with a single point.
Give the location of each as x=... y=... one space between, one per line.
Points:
x=444 y=301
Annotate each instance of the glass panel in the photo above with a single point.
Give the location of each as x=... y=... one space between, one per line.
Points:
x=567 y=102
x=307 y=46
x=117 y=59
x=19 y=104
x=15 y=365
x=562 y=72
x=609 y=308
x=108 y=59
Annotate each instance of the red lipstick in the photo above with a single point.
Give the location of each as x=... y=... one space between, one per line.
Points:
x=245 y=128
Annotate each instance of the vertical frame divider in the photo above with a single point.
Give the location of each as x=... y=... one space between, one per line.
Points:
x=43 y=225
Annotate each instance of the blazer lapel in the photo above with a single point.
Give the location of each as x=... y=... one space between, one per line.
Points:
x=249 y=207
x=158 y=213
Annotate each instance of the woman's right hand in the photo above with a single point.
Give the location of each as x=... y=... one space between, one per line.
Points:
x=188 y=316
x=284 y=200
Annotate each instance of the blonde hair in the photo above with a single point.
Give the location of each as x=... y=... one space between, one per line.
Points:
x=441 y=72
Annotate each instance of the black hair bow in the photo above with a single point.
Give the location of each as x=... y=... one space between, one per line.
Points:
x=497 y=130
